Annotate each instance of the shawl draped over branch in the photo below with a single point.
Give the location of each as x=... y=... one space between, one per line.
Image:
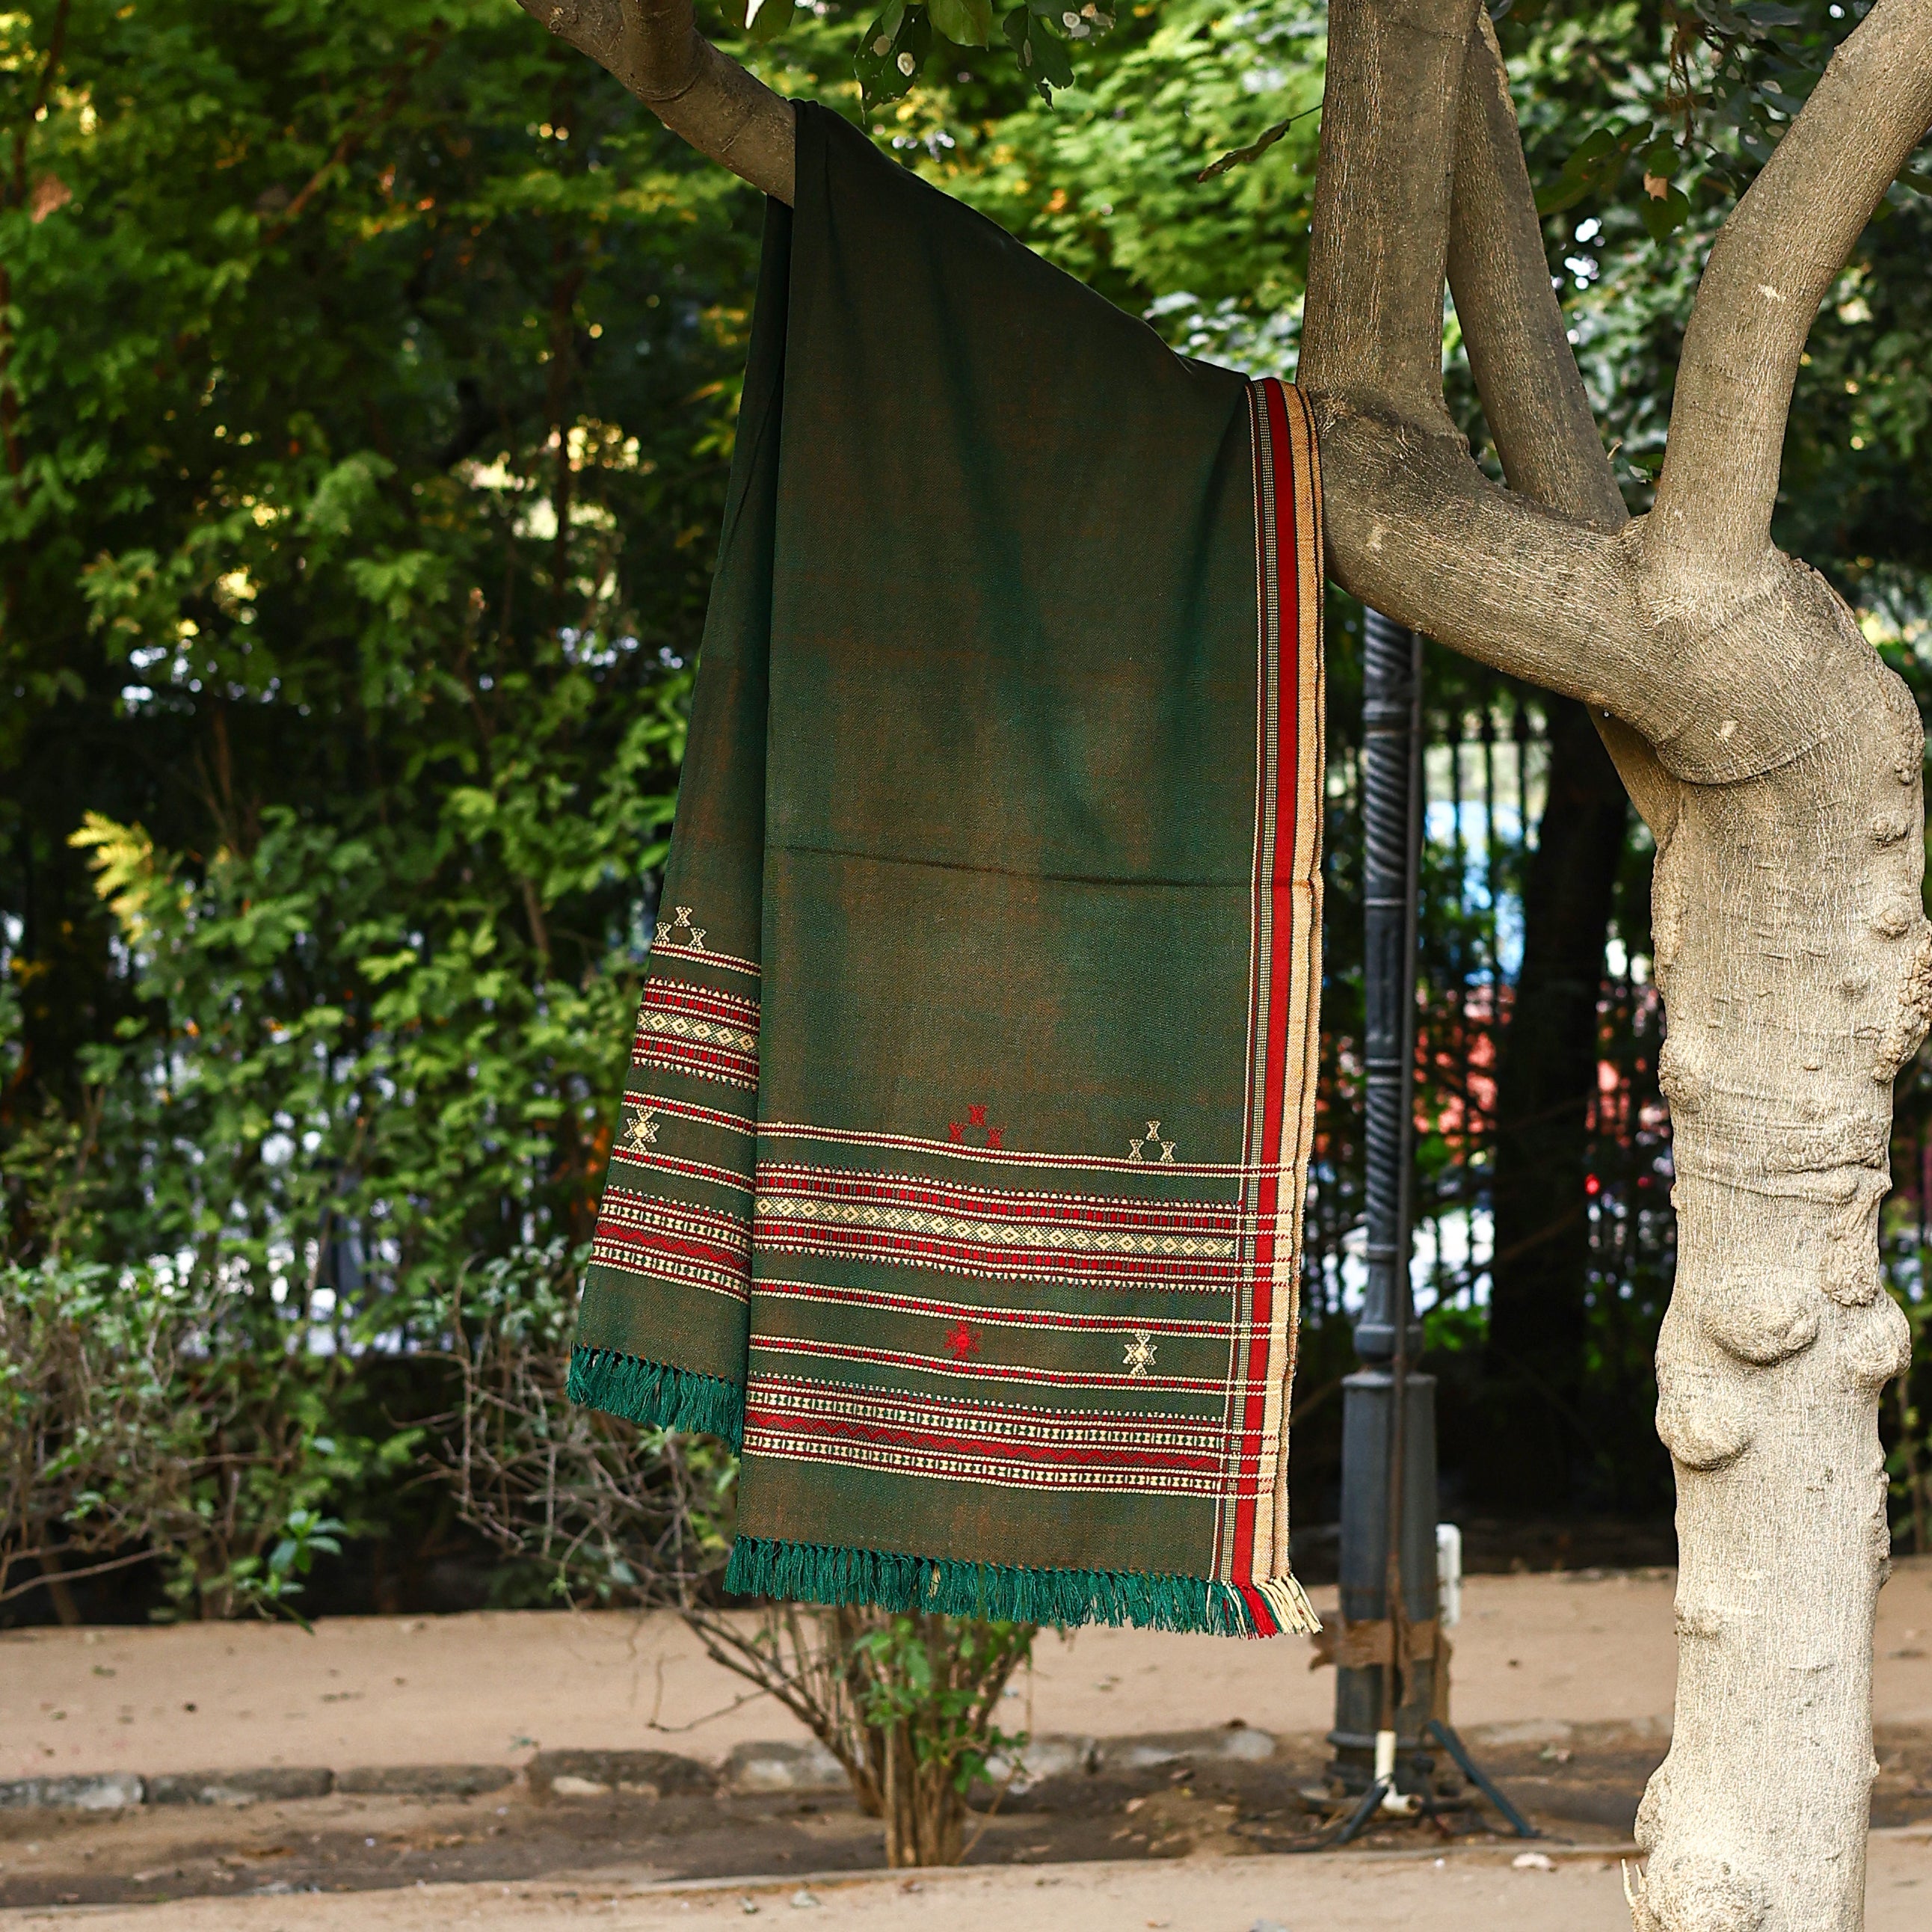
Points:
x=959 y=1176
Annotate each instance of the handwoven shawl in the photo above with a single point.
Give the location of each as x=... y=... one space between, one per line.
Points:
x=958 y=1177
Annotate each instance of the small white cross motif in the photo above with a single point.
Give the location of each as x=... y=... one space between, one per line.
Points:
x=643 y=1131
x=1136 y=1147
x=1139 y=1357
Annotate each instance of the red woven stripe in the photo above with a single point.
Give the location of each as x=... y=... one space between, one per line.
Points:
x=703 y=955
x=672 y=1240
x=1013 y=1460
x=678 y=996
x=681 y=1169
x=980 y=1312
x=971 y=1368
x=1014 y=1157
x=699 y=1063
x=1284 y=731
x=690 y=1110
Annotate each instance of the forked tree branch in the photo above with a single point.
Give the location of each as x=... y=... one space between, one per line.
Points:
x=1779 y=253
x=653 y=46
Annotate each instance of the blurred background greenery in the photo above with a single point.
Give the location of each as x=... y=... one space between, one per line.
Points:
x=367 y=377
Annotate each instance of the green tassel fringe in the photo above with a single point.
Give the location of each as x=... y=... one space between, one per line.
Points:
x=811 y=1573
x=656 y=1394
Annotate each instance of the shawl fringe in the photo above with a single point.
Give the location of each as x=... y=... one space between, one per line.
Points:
x=656 y=1394
x=997 y=1592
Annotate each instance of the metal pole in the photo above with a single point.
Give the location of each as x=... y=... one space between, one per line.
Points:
x=1388 y=1451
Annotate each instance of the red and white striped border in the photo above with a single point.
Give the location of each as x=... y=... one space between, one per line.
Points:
x=703 y=955
x=1284 y=993
x=657 y=1239
x=1005 y=1445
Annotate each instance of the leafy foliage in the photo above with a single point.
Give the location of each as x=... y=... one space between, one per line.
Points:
x=892 y=51
x=371 y=393
x=1720 y=83
x=908 y=1705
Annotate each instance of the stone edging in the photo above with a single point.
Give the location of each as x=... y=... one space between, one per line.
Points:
x=778 y=1766
x=751 y=1769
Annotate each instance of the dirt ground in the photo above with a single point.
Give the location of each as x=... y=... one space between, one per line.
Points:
x=1563 y=1682
x=1206 y=1809
x=1533 y=1654
x=1450 y=1892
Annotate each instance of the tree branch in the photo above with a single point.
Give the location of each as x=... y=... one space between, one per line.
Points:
x=1707 y=674
x=1512 y=326
x=1374 y=313
x=1778 y=254
x=1519 y=350
x=653 y=46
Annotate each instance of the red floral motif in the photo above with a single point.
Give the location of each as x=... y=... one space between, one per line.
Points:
x=960 y=1341
x=976 y=1117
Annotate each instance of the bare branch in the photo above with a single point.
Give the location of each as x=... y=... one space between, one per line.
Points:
x=653 y=46
x=1779 y=253
x=1374 y=314
x=1513 y=325
x=1415 y=529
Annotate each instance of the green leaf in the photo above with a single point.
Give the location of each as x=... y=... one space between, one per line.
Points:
x=1593 y=168
x=1056 y=64
x=969 y=23
x=1042 y=57
x=767 y=18
x=889 y=59
x=1663 y=215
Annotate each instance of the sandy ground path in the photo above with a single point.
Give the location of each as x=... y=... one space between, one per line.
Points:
x=492 y=1687
x=1463 y=1892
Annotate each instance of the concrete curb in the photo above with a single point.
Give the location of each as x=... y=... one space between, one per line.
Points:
x=782 y=1765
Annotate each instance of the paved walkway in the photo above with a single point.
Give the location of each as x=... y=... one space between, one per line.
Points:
x=1464 y=1891
x=1532 y=1653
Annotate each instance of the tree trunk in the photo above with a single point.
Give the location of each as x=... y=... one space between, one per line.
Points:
x=925 y=1813
x=1778 y=763
x=1796 y=972
x=1546 y=1080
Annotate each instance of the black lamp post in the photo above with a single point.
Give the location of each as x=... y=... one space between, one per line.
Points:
x=1388 y=1425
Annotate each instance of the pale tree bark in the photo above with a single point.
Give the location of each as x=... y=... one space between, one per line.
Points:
x=1778 y=763
x=1776 y=759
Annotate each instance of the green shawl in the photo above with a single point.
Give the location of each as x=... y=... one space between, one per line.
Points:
x=959 y=1176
